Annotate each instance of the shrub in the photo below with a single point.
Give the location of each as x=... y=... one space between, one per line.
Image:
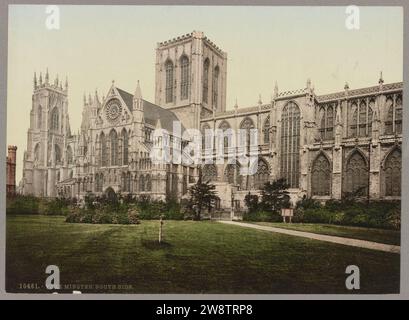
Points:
x=22 y=205
x=262 y=216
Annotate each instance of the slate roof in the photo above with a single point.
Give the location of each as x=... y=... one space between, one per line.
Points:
x=152 y=112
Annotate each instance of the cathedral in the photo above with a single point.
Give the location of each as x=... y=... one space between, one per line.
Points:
x=324 y=146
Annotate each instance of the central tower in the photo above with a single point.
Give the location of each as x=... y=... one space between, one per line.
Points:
x=191 y=77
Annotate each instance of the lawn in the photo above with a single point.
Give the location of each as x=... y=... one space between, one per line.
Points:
x=370 y=234
x=199 y=257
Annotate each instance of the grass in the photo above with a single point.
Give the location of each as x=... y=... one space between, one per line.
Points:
x=197 y=257
x=370 y=234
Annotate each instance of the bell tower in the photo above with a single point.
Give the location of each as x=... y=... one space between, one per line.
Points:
x=191 y=77
x=46 y=137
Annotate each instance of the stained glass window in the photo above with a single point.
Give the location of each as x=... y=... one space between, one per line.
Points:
x=290 y=144
x=184 y=77
x=321 y=176
x=169 y=81
x=392 y=171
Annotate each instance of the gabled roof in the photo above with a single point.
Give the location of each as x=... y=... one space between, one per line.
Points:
x=152 y=112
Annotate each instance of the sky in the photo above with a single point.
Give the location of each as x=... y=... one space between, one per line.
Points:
x=98 y=44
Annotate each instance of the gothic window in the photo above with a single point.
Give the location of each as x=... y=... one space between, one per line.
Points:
x=209 y=172
x=327 y=122
x=321 y=176
x=169 y=81
x=103 y=150
x=113 y=136
x=266 y=131
x=148 y=183
x=227 y=134
x=184 y=77
x=230 y=171
x=39 y=117
x=141 y=183
x=247 y=124
x=361 y=120
x=69 y=155
x=262 y=175
x=215 y=86
x=290 y=144
x=125 y=142
x=55 y=119
x=206 y=65
x=389 y=116
x=57 y=154
x=353 y=120
x=206 y=137
x=392 y=171
x=356 y=174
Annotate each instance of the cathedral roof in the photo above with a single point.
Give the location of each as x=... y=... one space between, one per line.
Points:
x=152 y=112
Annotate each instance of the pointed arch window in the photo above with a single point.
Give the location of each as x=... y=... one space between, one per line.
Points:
x=321 y=176
x=148 y=183
x=113 y=137
x=393 y=123
x=169 y=81
x=393 y=172
x=55 y=119
x=327 y=122
x=262 y=175
x=389 y=116
x=290 y=144
x=103 y=150
x=227 y=134
x=206 y=66
x=125 y=147
x=206 y=137
x=247 y=124
x=141 y=183
x=39 y=117
x=184 y=77
x=232 y=174
x=361 y=120
x=215 y=86
x=356 y=175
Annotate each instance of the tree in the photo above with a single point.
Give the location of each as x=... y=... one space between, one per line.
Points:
x=274 y=196
x=202 y=195
x=251 y=201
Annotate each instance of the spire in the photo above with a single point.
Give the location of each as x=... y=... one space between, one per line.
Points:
x=259 y=99
x=96 y=98
x=47 y=77
x=380 y=79
x=66 y=83
x=308 y=83
x=236 y=106
x=138 y=92
x=56 y=81
x=85 y=99
x=41 y=79
x=35 y=81
x=346 y=87
x=275 y=90
x=89 y=99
